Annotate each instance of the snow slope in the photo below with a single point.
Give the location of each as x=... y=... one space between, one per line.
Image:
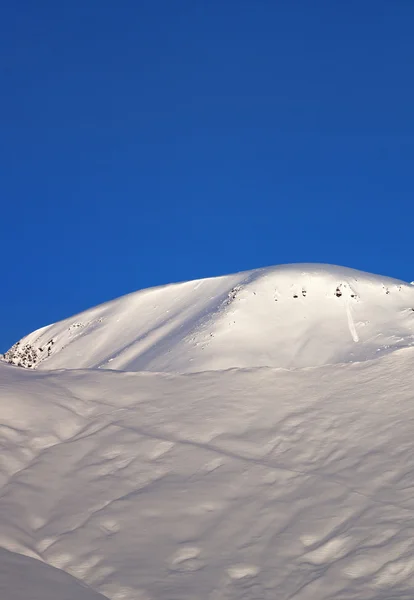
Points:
x=244 y=484
x=23 y=578
x=190 y=479
x=286 y=316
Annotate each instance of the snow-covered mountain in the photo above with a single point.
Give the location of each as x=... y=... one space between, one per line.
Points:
x=208 y=482
x=287 y=316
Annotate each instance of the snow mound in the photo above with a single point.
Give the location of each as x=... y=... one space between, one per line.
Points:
x=241 y=484
x=24 y=578
x=287 y=316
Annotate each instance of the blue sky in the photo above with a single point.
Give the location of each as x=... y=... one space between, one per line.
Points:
x=155 y=141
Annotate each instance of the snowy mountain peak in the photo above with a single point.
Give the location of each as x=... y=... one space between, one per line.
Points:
x=228 y=484
x=285 y=316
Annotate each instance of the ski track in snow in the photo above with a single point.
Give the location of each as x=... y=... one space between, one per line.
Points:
x=351 y=324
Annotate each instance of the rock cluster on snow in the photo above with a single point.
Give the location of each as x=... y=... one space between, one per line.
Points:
x=27 y=355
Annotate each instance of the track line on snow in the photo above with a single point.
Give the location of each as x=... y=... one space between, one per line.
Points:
x=261 y=462
x=351 y=324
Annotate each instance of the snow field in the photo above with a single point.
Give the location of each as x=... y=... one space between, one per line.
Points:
x=219 y=485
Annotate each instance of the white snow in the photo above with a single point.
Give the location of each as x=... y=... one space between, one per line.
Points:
x=22 y=577
x=287 y=316
x=244 y=483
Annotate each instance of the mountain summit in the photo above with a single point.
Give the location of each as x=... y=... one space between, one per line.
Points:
x=300 y=315
x=225 y=484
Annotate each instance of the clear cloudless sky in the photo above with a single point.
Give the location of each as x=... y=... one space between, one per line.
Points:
x=151 y=141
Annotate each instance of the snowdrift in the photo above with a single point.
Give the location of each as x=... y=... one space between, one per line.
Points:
x=23 y=578
x=240 y=484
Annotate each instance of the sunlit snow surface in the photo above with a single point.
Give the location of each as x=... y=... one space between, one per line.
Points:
x=287 y=316
x=249 y=483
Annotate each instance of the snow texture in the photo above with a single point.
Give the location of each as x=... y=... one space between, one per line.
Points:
x=244 y=483
x=287 y=316
x=22 y=577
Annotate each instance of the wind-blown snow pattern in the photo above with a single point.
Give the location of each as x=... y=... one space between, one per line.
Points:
x=247 y=483
x=286 y=316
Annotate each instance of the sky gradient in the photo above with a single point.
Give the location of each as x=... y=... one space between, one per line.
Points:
x=156 y=141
